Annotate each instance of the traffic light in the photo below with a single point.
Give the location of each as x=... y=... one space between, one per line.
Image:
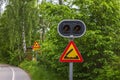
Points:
x=68 y=28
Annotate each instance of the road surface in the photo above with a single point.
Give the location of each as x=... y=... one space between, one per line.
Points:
x=12 y=73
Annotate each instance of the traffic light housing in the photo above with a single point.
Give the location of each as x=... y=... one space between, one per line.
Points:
x=68 y=28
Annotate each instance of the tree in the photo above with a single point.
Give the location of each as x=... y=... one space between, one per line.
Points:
x=21 y=20
x=97 y=45
x=60 y=2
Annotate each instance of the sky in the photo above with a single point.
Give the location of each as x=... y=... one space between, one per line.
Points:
x=54 y=1
x=2 y=8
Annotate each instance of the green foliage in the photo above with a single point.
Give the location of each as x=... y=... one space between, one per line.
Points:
x=15 y=57
x=38 y=72
x=18 y=14
x=97 y=46
x=100 y=46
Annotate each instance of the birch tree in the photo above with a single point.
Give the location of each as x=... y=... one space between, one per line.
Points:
x=20 y=19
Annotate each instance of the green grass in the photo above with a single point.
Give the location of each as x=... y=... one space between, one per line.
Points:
x=39 y=72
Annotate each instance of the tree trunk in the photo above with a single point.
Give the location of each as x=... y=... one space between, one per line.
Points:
x=60 y=2
x=43 y=32
x=50 y=1
x=23 y=31
x=23 y=37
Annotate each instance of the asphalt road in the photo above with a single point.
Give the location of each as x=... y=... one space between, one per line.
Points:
x=12 y=73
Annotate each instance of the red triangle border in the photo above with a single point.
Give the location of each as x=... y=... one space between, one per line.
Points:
x=69 y=60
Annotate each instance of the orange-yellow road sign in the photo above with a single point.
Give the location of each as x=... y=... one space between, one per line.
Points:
x=71 y=54
x=36 y=46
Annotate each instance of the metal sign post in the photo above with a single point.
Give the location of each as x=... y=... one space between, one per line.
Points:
x=71 y=29
x=71 y=63
x=35 y=48
x=71 y=71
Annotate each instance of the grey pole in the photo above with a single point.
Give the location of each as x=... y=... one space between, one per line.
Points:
x=71 y=71
x=71 y=63
x=36 y=55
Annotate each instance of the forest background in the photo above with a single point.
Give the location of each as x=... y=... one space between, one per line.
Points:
x=24 y=21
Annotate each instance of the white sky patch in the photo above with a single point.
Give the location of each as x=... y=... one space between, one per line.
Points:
x=3 y=6
x=39 y=1
x=76 y=7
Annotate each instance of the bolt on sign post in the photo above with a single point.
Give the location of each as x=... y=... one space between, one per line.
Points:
x=71 y=29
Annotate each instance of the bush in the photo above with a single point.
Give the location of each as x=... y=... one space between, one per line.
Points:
x=39 y=72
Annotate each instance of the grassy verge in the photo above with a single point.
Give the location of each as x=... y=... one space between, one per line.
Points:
x=39 y=72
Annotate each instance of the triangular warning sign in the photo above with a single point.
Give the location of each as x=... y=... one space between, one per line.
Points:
x=36 y=46
x=71 y=54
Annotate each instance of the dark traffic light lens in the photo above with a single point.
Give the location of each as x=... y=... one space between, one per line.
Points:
x=66 y=28
x=77 y=28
